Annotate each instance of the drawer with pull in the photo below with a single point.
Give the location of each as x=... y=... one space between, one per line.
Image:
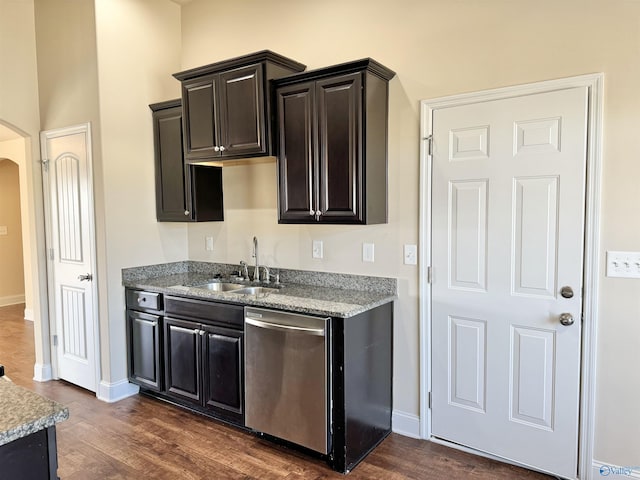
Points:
x=139 y=299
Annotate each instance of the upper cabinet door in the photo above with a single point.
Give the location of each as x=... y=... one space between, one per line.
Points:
x=296 y=147
x=332 y=139
x=339 y=101
x=241 y=118
x=171 y=201
x=227 y=106
x=199 y=120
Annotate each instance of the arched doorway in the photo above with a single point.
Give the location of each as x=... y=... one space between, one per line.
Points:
x=12 y=288
x=20 y=148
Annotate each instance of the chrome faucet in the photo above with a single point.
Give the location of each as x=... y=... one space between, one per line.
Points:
x=256 y=271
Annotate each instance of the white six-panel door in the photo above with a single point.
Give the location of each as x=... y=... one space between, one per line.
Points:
x=508 y=200
x=69 y=198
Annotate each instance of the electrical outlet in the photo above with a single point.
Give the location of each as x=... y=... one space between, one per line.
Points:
x=3 y=230
x=317 y=249
x=208 y=244
x=623 y=264
x=410 y=255
x=368 y=252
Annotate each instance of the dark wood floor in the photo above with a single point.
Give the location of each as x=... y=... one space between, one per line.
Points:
x=143 y=438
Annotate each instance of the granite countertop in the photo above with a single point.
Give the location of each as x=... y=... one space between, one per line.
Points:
x=25 y=412
x=336 y=295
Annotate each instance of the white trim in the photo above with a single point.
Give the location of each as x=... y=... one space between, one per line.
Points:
x=28 y=314
x=594 y=82
x=42 y=372
x=11 y=300
x=608 y=470
x=84 y=128
x=113 y=392
x=405 y=424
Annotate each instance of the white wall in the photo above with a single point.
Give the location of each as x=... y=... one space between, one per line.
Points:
x=440 y=48
x=19 y=111
x=138 y=46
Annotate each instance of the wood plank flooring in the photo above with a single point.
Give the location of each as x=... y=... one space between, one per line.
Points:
x=140 y=438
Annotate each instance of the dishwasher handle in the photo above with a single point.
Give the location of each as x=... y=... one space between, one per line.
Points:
x=320 y=332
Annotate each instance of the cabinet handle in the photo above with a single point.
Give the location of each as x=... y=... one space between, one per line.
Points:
x=222 y=149
x=318 y=213
x=187 y=212
x=216 y=148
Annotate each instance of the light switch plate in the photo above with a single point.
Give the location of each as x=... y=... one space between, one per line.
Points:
x=3 y=230
x=368 y=252
x=410 y=255
x=623 y=264
x=317 y=249
x=208 y=244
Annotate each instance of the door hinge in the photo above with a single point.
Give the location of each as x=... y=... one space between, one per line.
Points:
x=51 y=254
x=429 y=276
x=54 y=340
x=429 y=141
x=45 y=164
x=429 y=400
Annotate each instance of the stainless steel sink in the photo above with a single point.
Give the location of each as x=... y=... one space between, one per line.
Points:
x=220 y=286
x=255 y=290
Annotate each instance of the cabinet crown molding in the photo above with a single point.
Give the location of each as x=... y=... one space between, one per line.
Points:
x=365 y=64
x=257 y=57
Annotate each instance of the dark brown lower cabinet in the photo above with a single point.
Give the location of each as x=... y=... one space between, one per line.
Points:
x=204 y=362
x=190 y=352
x=34 y=457
x=145 y=359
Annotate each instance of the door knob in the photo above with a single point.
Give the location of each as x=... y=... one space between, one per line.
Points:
x=88 y=277
x=566 y=319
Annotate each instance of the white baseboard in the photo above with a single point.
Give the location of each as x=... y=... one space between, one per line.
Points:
x=42 y=372
x=602 y=470
x=405 y=424
x=11 y=300
x=112 y=392
x=28 y=314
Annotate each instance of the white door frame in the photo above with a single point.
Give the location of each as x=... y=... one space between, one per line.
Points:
x=59 y=132
x=594 y=82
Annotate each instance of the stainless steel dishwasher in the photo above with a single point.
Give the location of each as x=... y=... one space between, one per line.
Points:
x=287 y=391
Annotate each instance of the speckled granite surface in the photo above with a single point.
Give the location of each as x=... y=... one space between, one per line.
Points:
x=318 y=293
x=25 y=412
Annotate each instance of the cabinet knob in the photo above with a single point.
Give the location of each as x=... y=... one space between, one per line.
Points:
x=201 y=333
x=187 y=212
x=216 y=148
x=312 y=212
x=222 y=149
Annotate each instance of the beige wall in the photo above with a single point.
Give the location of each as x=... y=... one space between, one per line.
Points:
x=11 y=266
x=19 y=110
x=442 y=48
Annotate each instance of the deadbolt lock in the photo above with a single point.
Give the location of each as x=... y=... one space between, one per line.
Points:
x=566 y=292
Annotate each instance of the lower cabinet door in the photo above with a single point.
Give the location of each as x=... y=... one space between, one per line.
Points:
x=182 y=347
x=223 y=371
x=145 y=361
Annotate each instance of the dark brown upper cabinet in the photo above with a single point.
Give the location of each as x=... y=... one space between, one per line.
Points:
x=227 y=107
x=332 y=144
x=184 y=193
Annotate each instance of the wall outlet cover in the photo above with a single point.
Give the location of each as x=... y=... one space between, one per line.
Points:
x=368 y=252
x=317 y=249
x=410 y=254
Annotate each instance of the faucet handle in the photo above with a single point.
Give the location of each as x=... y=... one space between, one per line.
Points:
x=269 y=275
